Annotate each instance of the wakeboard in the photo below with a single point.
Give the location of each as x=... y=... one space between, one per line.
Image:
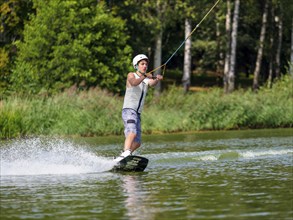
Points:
x=131 y=164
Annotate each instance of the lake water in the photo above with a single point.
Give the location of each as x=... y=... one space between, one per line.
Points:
x=208 y=175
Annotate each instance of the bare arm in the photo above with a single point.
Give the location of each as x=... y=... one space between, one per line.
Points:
x=154 y=81
x=132 y=81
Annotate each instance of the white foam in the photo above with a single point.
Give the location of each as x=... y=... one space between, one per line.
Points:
x=38 y=156
x=208 y=158
x=214 y=155
x=254 y=154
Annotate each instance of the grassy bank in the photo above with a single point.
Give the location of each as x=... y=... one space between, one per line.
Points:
x=96 y=112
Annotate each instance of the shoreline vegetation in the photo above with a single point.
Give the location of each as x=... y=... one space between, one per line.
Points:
x=98 y=113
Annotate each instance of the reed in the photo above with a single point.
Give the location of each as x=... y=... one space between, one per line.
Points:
x=212 y=110
x=96 y=112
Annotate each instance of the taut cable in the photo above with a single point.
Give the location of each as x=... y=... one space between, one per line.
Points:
x=206 y=15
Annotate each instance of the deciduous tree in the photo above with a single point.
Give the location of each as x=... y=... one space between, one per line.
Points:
x=260 y=48
x=72 y=42
x=13 y=15
x=234 y=32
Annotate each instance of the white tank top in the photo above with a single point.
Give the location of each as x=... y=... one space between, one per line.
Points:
x=135 y=95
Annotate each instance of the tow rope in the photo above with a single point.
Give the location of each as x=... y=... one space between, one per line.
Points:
x=196 y=27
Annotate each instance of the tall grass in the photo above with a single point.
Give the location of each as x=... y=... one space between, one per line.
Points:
x=96 y=112
x=213 y=110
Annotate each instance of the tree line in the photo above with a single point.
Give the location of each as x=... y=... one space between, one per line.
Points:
x=48 y=46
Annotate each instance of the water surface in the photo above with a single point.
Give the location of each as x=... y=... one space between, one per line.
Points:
x=208 y=175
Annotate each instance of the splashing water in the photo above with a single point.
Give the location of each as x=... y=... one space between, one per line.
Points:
x=39 y=156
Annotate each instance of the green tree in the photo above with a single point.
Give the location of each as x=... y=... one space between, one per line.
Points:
x=69 y=43
x=190 y=13
x=276 y=44
x=13 y=15
x=156 y=17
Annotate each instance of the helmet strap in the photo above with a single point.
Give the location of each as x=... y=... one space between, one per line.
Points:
x=136 y=67
x=140 y=72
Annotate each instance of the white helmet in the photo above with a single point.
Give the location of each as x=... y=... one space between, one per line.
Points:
x=138 y=58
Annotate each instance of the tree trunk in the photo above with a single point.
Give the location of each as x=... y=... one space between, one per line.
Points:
x=219 y=50
x=291 y=63
x=280 y=36
x=228 y=46
x=272 y=42
x=187 y=58
x=158 y=60
x=260 y=49
x=271 y=65
x=231 y=74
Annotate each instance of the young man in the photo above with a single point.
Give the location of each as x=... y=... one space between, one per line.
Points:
x=136 y=88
